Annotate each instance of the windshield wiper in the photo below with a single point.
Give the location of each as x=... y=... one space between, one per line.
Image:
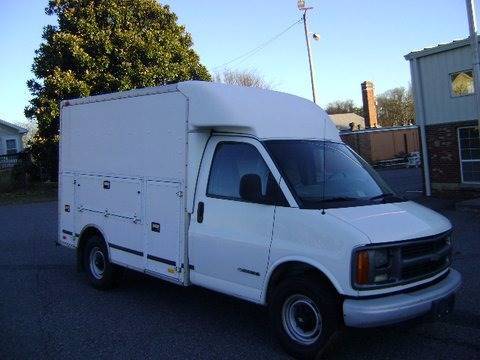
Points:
x=381 y=196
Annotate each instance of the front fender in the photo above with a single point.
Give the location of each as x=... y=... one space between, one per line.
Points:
x=299 y=259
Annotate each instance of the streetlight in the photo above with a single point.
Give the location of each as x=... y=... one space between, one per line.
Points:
x=302 y=7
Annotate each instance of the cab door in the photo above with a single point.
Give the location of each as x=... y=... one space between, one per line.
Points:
x=230 y=233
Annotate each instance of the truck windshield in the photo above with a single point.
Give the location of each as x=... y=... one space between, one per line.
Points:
x=328 y=174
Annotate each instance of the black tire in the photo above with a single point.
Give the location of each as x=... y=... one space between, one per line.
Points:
x=101 y=273
x=302 y=299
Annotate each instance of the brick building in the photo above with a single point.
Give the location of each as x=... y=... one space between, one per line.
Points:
x=443 y=88
x=366 y=136
x=379 y=144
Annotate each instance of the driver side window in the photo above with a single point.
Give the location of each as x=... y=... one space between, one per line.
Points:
x=238 y=172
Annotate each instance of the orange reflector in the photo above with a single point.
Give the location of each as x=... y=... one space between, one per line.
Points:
x=362 y=267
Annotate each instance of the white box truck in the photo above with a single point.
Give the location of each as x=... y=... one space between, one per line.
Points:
x=249 y=193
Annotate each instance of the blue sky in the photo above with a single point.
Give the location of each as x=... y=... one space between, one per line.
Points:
x=360 y=40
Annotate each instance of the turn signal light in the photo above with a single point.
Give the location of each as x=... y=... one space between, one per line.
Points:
x=362 y=267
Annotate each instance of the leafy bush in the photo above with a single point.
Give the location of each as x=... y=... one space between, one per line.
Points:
x=24 y=173
x=5 y=181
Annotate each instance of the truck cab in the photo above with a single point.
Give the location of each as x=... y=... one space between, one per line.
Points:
x=314 y=210
x=254 y=195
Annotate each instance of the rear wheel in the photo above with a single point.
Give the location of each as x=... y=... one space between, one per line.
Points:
x=304 y=315
x=100 y=271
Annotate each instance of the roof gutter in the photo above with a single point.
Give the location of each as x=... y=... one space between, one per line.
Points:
x=439 y=48
x=20 y=129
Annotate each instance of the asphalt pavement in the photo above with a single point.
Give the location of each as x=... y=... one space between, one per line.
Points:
x=48 y=310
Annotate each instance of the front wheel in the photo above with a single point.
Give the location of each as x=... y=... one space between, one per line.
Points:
x=304 y=315
x=100 y=271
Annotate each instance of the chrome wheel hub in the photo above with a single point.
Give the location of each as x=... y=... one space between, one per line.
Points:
x=97 y=263
x=301 y=319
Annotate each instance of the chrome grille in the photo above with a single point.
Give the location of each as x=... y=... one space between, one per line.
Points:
x=425 y=258
x=404 y=262
x=423 y=248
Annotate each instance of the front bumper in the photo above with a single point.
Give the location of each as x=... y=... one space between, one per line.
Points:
x=400 y=307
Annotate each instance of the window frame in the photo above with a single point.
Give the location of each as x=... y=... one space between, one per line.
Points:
x=461 y=161
x=452 y=94
x=6 y=146
x=239 y=199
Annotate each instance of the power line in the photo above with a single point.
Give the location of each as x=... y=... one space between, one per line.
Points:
x=259 y=48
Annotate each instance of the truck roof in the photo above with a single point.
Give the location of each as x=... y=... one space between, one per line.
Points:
x=265 y=114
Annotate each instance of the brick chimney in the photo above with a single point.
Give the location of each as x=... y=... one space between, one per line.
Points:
x=369 y=104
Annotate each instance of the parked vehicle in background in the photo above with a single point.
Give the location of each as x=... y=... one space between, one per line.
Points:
x=249 y=193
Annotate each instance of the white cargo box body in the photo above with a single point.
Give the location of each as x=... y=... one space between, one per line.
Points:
x=116 y=156
x=129 y=161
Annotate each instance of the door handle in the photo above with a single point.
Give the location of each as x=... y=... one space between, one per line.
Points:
x=200 y=210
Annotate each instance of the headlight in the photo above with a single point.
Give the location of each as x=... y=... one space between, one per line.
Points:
x=381 y=258
x=373 y=267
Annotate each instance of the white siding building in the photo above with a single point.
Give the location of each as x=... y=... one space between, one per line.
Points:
x=442 y=82
x=11 y=138
x=11 y=143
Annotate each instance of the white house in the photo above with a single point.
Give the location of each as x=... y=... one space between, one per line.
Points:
x=443 y=88
x=11 y=142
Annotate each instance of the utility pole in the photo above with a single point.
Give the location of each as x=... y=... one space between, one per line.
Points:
x=302 y=7
x=472 y=22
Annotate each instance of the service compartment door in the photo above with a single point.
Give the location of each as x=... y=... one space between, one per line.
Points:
x=66 y=209
x=164 y=228
x=114 y=204
x=110 y=195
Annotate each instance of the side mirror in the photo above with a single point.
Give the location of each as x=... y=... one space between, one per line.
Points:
x=251 y=188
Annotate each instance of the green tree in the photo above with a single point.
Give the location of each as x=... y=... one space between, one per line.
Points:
x=343 y=107
x=395 y=107
x=102 y=46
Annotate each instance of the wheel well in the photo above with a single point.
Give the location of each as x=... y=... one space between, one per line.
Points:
x=294 y=268
x=86 y=234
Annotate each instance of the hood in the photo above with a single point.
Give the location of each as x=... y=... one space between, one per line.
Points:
x=393 y=222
